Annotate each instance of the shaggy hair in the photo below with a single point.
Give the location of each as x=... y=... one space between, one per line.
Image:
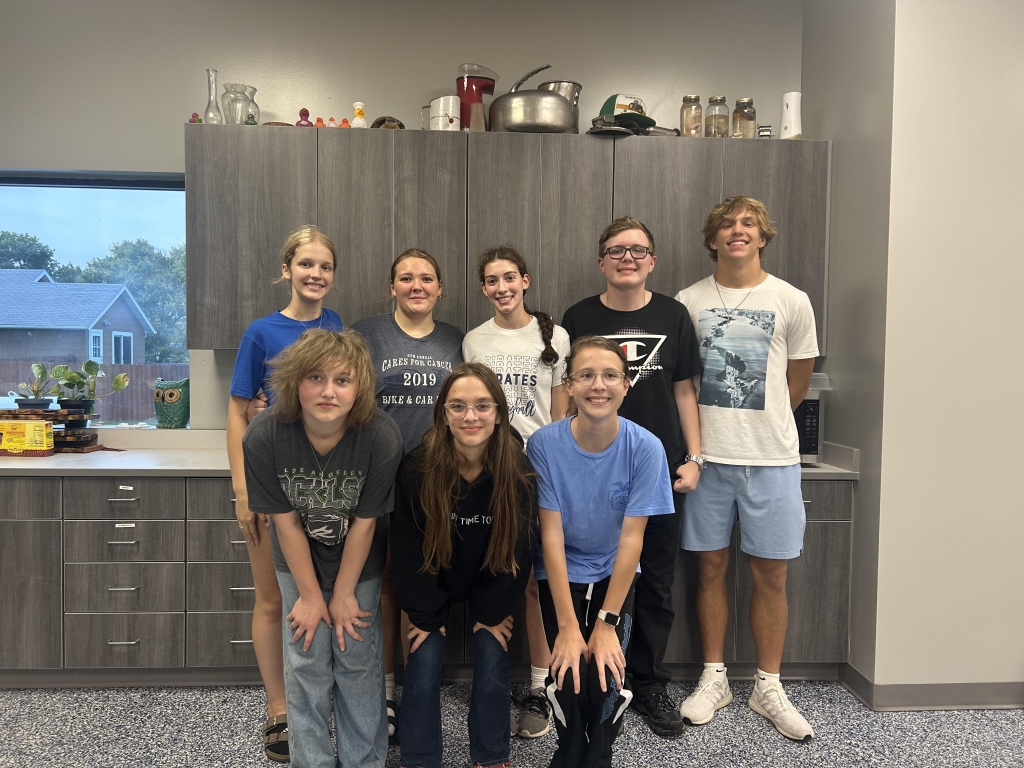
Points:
x=723 y=215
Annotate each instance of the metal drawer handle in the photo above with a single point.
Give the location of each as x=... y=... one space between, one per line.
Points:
x=122 y=642
x=243 y=589
x=240 y=642
x=238 y=541
x=233 y=501
x=808 y=501
x=122 y=589
x=135 y=499
x=123 y=542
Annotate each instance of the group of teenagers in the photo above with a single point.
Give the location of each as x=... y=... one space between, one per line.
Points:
x=388 y=472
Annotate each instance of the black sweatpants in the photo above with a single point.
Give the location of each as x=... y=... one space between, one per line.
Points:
x=586 y=723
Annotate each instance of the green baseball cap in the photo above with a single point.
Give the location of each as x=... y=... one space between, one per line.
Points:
x=630 y=107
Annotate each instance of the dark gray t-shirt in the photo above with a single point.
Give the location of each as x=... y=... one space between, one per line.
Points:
x=410 y=370
x=357 y=480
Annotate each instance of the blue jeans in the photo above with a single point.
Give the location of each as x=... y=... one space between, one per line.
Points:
x=488 y=707
x=355 y=679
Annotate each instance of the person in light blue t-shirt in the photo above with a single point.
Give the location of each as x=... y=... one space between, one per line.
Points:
x=600 y=477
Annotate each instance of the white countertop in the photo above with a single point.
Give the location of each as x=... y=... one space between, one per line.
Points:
x=141 y=462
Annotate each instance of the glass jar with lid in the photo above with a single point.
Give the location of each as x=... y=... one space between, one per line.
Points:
x=690 y=117
x=744 y=119
x=716 y=119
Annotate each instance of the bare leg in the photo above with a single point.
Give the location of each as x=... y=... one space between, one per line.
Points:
x=266 y=623
x=712 y=603
x=769 y=611
x=540 y=654
x=389 y=614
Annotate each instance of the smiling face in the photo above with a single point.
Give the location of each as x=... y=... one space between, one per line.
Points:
x=504 y=287
x=473 y=430
x=326 y=397
x=415 y=287
x=310 y=271
x=627 y=272
x=599 y=399
x=739 y=238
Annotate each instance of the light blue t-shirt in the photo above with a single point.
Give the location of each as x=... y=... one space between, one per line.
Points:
x=263 y=340
x=594 y=491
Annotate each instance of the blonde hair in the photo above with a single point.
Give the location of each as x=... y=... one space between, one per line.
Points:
x=320 y=350
x=729 y=209
x=305 y=235
x=620 y=225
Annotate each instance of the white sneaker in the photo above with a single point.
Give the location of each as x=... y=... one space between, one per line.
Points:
x=772 y=702
x=711 y=694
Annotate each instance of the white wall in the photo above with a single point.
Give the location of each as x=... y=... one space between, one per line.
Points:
x=950 y=571
x=106 y=85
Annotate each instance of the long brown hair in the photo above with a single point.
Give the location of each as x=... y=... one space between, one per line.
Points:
x=441 y=481
x=547 y=326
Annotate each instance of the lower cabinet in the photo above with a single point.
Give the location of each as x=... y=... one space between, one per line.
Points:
x=219 y=640
x=124 y=640
x=30 y=601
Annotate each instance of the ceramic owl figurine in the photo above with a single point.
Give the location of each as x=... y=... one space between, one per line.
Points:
x=170 y=401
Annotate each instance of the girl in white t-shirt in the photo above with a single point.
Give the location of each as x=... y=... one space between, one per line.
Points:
x=527 y=351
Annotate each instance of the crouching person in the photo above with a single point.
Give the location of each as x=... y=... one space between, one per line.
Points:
x=321 y=462
x=599 y=478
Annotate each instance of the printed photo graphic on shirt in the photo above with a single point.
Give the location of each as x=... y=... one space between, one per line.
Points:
x=641 y=350
x=412 y=380
x=518 y=377
x=734 y=348
x=618 y=498
x=326 y=504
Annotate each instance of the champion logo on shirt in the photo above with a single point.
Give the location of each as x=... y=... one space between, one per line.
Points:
x=641 y=350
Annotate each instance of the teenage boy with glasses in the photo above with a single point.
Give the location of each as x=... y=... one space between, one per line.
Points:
x=657 y=337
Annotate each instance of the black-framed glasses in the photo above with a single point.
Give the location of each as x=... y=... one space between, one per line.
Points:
x=459 y=410
x=587 y=378
x=638 y=252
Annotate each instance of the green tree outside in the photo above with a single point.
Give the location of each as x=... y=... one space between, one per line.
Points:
x=25 y=252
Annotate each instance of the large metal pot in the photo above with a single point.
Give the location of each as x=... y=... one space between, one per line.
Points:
x=533 y=111
x=571 y=91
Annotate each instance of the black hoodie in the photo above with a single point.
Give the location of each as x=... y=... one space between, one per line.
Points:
x=426 y=597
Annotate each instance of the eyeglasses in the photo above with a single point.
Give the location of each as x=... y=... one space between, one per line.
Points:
x=638 y=252
x=459 y=410
x=587 y=378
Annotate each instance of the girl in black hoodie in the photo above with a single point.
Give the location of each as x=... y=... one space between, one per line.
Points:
x=465 y=505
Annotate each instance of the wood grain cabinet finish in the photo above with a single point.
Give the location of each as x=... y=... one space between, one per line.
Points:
x=217 y=541
x=30 y=601
x=219 y=640
x=209 y=498
x=124 y=498
x=124 y=640
x=124 y=587
x=828 y=500
x=88 y=541
x=245 y=191
x=30 y=498
x=219 y=587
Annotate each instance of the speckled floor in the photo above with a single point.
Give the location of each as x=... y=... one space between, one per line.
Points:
x=123 y=728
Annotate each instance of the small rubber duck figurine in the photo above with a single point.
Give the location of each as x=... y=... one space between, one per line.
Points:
x=195 y=118
x=251 y=119
x=359 y=121
x=304 y=119
x=331 y=123
x=319 y=123
x=344 y=123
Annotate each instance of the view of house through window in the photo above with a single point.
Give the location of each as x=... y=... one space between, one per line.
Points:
x=94 y=273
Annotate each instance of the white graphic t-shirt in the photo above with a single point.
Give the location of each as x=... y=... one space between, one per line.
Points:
x=514 y=355
x=746 y=346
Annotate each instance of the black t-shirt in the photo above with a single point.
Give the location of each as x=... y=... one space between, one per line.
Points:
x=661 y=347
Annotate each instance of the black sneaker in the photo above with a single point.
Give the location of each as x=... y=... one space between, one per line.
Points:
x=536 y=717
x=661 y=714
x=392 y=723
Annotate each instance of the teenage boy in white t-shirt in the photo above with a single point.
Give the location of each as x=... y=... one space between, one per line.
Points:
x=758 y=344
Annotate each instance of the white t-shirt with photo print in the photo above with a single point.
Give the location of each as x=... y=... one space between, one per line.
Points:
x=743 y=393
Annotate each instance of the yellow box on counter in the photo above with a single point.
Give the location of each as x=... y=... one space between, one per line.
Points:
x=26 y=438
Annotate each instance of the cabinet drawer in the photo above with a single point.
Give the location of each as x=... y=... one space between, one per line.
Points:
x=90 y=541
x=124 y=587
x=828 y=499
x=131 y=498
x=220 y=640
x=218 y=541
x=210 y=498
x=124 y=640
x=29 y=498
x=219 y=587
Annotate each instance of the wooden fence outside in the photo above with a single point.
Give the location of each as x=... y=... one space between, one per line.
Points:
x=131 y=405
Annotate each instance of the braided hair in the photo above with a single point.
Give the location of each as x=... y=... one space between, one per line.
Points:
x=547 y=325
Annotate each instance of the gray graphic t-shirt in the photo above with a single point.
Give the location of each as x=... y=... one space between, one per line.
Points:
x=357 y=480
x=410 y=370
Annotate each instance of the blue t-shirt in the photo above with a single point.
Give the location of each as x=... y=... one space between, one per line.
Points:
x=594 y=491
x=261 y=343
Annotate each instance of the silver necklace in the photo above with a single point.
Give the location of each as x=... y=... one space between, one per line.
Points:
x=728 y=311
x=327 y=462
x=320 y=319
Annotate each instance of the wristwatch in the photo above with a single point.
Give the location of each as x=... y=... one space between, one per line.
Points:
x=608 y=617
x=700 y=461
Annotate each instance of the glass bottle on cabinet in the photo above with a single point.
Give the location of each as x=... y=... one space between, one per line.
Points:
x=690 y=117
x=213 y=114
x=744 y=119
x=716 y=119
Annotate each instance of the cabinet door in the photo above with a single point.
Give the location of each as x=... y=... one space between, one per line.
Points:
x=245 y=191
x=356 y=209
x=670 y=185
x=791 y=178
x=124 y=498
x=30 y=498
x=124 y=587
x=430 y=213
x=88 y=541
x=219 y=640
x=30 y=601
x=209 y=498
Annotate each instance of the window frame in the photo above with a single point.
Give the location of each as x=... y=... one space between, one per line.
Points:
x=93 y=335
x=114 y=348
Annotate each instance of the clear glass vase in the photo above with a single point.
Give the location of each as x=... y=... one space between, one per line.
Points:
x=213 y=114
x=235 y=104
x=254 y=108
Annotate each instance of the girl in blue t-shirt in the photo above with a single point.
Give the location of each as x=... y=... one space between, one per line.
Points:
x=308 y=263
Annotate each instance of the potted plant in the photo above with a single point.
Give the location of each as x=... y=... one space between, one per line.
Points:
x=81 y=385
x=38 y=391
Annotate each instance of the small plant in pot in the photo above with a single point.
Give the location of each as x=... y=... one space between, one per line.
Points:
x=38 y=391
x=81 y=385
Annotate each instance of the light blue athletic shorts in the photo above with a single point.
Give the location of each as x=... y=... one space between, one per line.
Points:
x=767 y=501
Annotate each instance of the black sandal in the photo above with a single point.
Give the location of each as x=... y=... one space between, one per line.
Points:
x=275 y=738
